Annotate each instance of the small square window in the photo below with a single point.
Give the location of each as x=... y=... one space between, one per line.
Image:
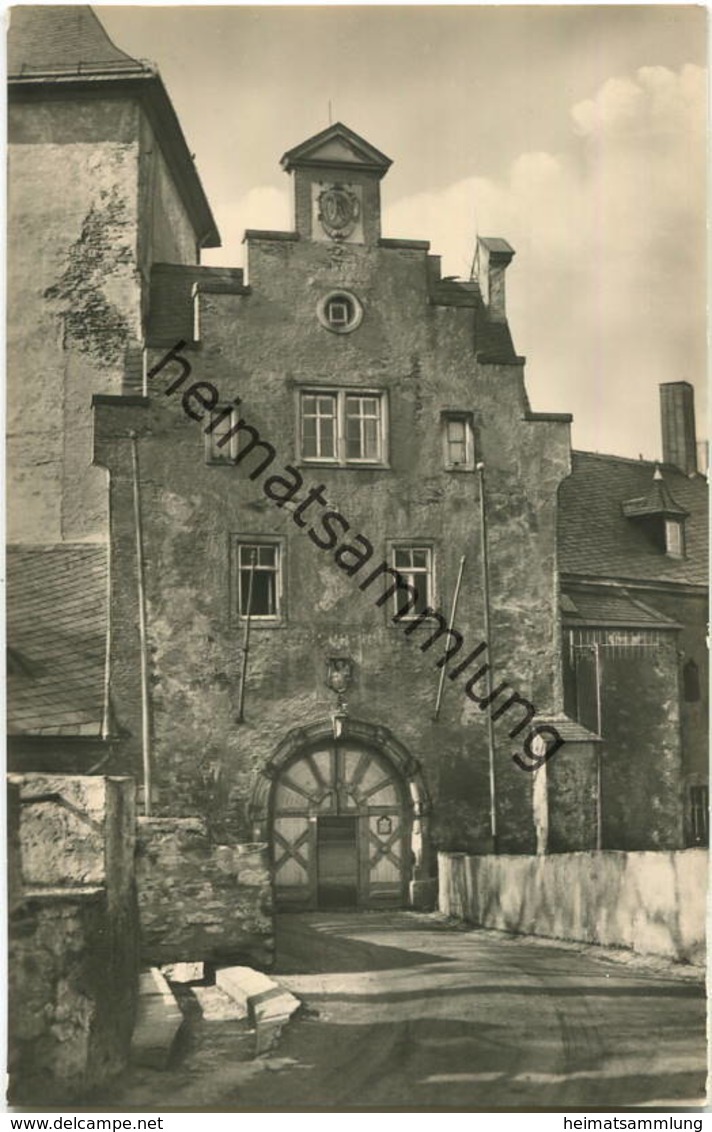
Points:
x=338 y=312
x=458 y=441
x=259 y=580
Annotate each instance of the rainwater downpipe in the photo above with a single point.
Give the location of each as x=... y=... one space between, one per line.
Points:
x=246 y=638
x=490 y=673
x=143 y=641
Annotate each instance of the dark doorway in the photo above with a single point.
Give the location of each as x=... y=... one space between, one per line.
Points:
x=337 y=862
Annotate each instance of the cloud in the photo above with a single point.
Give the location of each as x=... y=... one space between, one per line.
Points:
x=607 y=293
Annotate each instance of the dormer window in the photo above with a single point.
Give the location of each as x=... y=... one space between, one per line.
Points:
x=659 y=517
x=674 y=540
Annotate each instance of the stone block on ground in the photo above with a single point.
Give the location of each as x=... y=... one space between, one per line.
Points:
x=184 y=972
x=159 y=1020
x=269 y=1006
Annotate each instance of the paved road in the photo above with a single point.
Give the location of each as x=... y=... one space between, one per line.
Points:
x=406 y=1011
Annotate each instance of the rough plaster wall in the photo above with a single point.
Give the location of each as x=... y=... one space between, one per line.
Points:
x=200 y=901
x=572 y=798
x=641 y=764
x=651 y=902
x=73 y=307
x=261 y=348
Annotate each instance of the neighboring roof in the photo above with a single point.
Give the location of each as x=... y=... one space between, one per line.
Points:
x=170 y=315
x=57 y=627
x=338 y=146
x=61 y=37
x=595 y=537
x=64 y=50
x=609 y=606
x=569 y=729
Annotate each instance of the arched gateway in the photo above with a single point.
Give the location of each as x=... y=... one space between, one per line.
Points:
x=343 y=819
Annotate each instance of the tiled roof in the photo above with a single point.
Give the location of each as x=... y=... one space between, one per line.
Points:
x=56 y=633
x=569 y=729
x=171 y=305
x=55 y=46
x=49 y=38
x=595 y=537
x=606 y=605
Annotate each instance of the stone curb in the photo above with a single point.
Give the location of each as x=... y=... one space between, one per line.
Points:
x=269 y=1007
x=159 y=1018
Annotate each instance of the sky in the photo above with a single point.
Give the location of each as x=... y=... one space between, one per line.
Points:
x=577 y=133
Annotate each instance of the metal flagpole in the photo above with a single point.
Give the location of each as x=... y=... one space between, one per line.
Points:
x=143 y=644
x=453 y=614
x=489 y=674
x=246 y=640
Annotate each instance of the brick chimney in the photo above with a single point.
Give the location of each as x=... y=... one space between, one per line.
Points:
x=677 y=418
x=493 y=258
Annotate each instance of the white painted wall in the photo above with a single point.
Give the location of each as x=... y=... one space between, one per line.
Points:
x=654 y=903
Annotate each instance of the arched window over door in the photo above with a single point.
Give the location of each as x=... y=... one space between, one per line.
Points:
x=340 y=830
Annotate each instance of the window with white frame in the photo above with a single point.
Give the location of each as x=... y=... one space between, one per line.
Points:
x=458 y=441
x=223 y=419
x=674 y=543
x=415 y=565
x=258 y=581
x=343 y=426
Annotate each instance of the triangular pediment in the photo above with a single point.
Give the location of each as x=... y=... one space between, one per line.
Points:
x=338 y=146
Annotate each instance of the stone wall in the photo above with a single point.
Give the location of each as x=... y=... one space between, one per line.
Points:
x=73 y=938
x=202 y=901
x=653 y=903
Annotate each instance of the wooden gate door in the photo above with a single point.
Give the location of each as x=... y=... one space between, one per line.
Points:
x=340 y=830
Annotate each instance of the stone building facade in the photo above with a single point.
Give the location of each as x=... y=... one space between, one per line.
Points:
x=355 y=582
x=374 y=389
